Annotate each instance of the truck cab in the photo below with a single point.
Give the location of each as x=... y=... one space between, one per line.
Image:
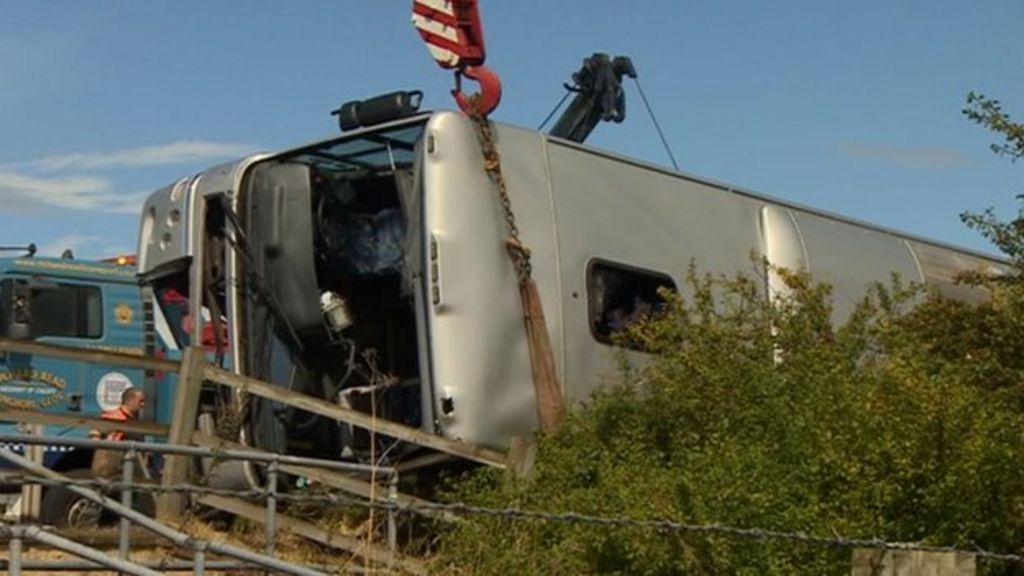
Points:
x=90 y=305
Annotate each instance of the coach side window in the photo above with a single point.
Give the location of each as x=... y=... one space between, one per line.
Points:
x=620 y=295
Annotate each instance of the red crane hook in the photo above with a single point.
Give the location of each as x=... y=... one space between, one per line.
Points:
x=487 y=99
x=455 y=38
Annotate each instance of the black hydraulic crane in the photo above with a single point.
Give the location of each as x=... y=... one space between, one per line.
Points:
x=599 y=96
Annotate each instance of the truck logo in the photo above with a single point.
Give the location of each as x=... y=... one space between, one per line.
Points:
x=123 y=313
x=110 y=388
x=30 y=389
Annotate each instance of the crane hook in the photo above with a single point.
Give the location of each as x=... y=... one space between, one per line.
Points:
x=483 y=102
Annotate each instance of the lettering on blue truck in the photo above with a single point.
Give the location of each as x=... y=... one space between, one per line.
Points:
x=30 y=389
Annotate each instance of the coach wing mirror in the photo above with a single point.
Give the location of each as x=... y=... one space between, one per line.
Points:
x=15 y=309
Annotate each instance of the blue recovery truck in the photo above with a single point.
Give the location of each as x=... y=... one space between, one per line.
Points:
x=91 y=305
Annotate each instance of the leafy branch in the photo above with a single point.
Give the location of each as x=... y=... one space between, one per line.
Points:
x=989 y=113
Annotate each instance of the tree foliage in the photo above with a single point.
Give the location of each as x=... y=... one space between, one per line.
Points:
x=904 y=423
x=989 y=113
x=1007 y=236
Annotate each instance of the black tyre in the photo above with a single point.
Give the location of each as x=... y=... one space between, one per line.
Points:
x=63 y=508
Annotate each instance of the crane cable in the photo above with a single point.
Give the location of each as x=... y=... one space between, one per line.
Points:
x=657 y=126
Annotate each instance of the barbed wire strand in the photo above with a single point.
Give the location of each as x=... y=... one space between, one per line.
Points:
x=518 y=514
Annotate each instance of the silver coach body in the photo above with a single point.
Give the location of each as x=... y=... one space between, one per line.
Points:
x=574 y=206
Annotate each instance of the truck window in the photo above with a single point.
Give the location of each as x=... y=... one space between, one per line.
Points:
x=67 y=311
x=620 y=295
x=6 y=304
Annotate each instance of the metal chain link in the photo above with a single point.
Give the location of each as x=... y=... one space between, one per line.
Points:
x=518 y=251
x=233 y=416
x=216 y=459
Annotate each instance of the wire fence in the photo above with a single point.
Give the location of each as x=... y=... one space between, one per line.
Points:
x=462 y=511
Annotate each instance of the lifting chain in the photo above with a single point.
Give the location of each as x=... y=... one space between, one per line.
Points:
x=517 y=251
x=550 y=402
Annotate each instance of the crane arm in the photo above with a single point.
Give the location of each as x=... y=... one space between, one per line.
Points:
x=599 y=96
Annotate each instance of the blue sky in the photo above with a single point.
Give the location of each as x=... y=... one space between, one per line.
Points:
x=852 y=107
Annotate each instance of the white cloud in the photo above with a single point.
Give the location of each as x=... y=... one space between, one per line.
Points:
x=23 y=191
x=160 y=155
x=932 y=158
x=50 y=182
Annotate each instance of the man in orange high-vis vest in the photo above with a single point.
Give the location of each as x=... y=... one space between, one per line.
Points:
x=108 y=462
x=133 y=401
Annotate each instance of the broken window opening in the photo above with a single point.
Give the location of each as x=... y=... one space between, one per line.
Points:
x=619 y=296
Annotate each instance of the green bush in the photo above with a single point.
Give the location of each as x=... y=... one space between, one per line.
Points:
x=905 y=423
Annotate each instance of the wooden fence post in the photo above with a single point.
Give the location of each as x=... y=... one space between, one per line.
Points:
x=186 y=409
x=871 y=562
x=522 y=455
